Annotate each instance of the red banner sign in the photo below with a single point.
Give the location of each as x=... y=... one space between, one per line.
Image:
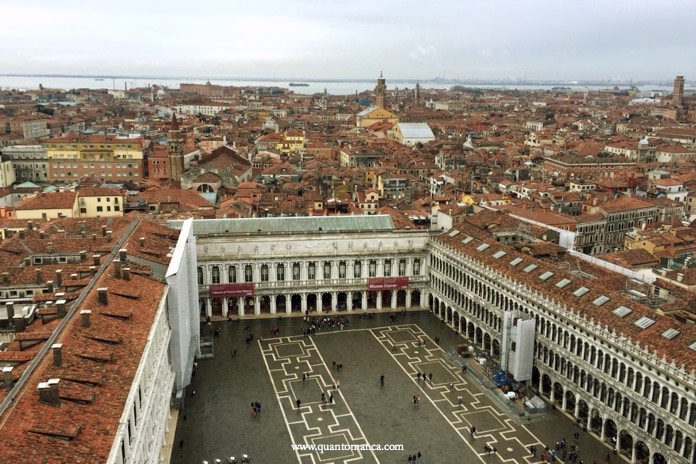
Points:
x=230 y=290
x=387 y=283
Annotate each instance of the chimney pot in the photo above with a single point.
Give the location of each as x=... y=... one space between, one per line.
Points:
x=122 y=255
x=103 y=231
x=30 y=225
x=49 y=392
x=142 y=241
x=96 y=259
x=85 y=315
x=57 y=349
x=103 y=295
x=59 y=278
x=93 y=270
x=109 y=235
x=117 y=269
x=5 y=278
x=38 y=278
x=83 y=255
x=10 y=310
x=50 y=286
x=21 y=233
x=126 y=273
x=680 y=277
x=94 y=236
x=7 y=376
x=42 y=234
x=60 y=306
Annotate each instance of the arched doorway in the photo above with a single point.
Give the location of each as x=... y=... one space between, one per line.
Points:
x=487 y=342
x=610 y=432
x=626 y=443
x=401 y=298
x=386 y=299
x=536 y=375
x=216 y=304
x=416 y=299
x=326 y=302
x=371 y=299
x=281 y=304
x=342 y=301
x=455 y=321
x=642 y=453
x=596 y=423
x=312 y=302
x=496 y=348
x=570 y=402
x=583 y=412
x=357 y=300
x=558 y=394
x=431 y=301
x=449 y=315
x=659 y=459
x=546 y=385
x=296 y=304
x=265 y=304
x=479 y=338
x=470 y=330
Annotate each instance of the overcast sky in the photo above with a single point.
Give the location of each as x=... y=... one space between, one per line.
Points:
x=489 y=39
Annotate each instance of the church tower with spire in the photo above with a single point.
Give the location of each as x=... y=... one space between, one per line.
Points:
x=381 y=92
x=175 y=140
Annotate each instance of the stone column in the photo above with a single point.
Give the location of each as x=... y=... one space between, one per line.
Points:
x=423 y=298
x=273 y=269
x=304 y=303
x=288 y=304
x=634 y=450
x=257 y=305
x=225 y=308
x=409 y=293
x=564 y=401
x=604 y=429
x=349 y=301
x=208 y=307
x=409 y=266
x=364 y=300
x=273 y=303
x=334 y=301
x=393 y=299
x=379 y=299
x=577 y=407
x=380 y=267
x=240 y=305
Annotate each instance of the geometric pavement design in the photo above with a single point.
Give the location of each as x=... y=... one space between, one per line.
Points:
x=287 y=358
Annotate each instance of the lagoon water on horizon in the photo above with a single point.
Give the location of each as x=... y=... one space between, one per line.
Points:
x=332 y=87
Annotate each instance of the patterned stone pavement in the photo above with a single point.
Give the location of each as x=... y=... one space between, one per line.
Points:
x=219 y=422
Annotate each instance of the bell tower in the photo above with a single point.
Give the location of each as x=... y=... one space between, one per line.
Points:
x=175 y=141
x=381 y=91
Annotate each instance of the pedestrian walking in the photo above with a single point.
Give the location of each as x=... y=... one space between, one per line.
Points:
x=333 y=365
x=330 y=398
x=419 y=376
x=418 y=455
x=304 y=376
x=338 y=383
x=381 y=380
x=193 y=393
x=323 y=397
x=181 y=443
x=298 y=402
x=430 y=377
x=472 y=431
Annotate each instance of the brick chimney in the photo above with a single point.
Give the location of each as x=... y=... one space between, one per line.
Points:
x=49 y=284
x=60 y=306
x=680 y=277
x=5 y=278
x=103 y=231
x=30 y=225
x=85 y=316
x=117 y=269
x=59 y=278
x=21 y=233
x=7 y=376
x=96 y=260
x=57 y=349
x=38 y=277
x=93 y=270
x=142 y=241
x=109 y=235
x=83 y=255
x=42 y=234
x=126 y=273
x=123 y=255
x=49 y=392
x=103 y=295
x=10 y=310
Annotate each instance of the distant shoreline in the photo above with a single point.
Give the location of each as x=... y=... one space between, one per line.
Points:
x=506 y=82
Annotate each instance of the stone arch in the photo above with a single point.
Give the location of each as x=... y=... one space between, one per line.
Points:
x=610 y=432
x=570 y=402
x=296 y=303
x=583 y=413
x=596 y=422
x=312 y=302
x=487 y=343
x=558 y=393
x=642 y=453
x=342 y=301
x=416 y=298
x=265 y=304
x=546 y=385
x=401 y=298
x=281 y=302
x=496 y=348
x=625 y=443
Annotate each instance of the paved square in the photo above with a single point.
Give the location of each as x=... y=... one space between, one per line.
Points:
x=356 y=409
